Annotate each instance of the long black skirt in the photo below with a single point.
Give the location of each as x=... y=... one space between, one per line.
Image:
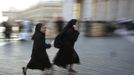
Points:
x=39 y=62
x=64 y=57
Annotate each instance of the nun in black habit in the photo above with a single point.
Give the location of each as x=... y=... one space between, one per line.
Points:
x=67 y=56
x=39 y=58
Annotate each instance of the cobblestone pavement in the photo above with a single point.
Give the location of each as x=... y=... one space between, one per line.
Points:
x=99 y=56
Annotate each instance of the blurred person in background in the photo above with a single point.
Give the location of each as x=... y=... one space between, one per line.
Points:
x=8 y=30
x=39 y=57
x=59 y=24
x=26 y=29
x=20 y=25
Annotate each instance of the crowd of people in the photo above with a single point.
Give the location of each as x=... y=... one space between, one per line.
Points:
x=25 y=28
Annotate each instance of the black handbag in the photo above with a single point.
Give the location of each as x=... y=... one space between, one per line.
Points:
x=58 y=42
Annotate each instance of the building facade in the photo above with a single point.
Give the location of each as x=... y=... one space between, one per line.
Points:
x=41 y=11
x=104 y=10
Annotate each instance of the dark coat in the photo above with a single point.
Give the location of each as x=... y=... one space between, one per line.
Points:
x=67 y=54
x=8 y=29
x=39 y=57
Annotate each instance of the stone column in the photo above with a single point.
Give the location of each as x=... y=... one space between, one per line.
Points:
x=94 y=9
x=112 y=10
x=123 y=9
x=86 y=9
x=131 y=11
x=77 y=9
x=68 y=9
x=101 y=10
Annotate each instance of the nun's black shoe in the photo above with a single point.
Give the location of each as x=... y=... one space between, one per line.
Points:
x=24 y=70
x=71 y=70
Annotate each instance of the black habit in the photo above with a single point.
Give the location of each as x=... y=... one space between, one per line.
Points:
x=39 y=58
x=67 y=54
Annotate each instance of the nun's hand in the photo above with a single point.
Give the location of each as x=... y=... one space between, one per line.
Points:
x=49 y=45
x=76 y=27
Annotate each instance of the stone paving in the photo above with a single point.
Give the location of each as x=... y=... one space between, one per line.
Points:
x=99 y=56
